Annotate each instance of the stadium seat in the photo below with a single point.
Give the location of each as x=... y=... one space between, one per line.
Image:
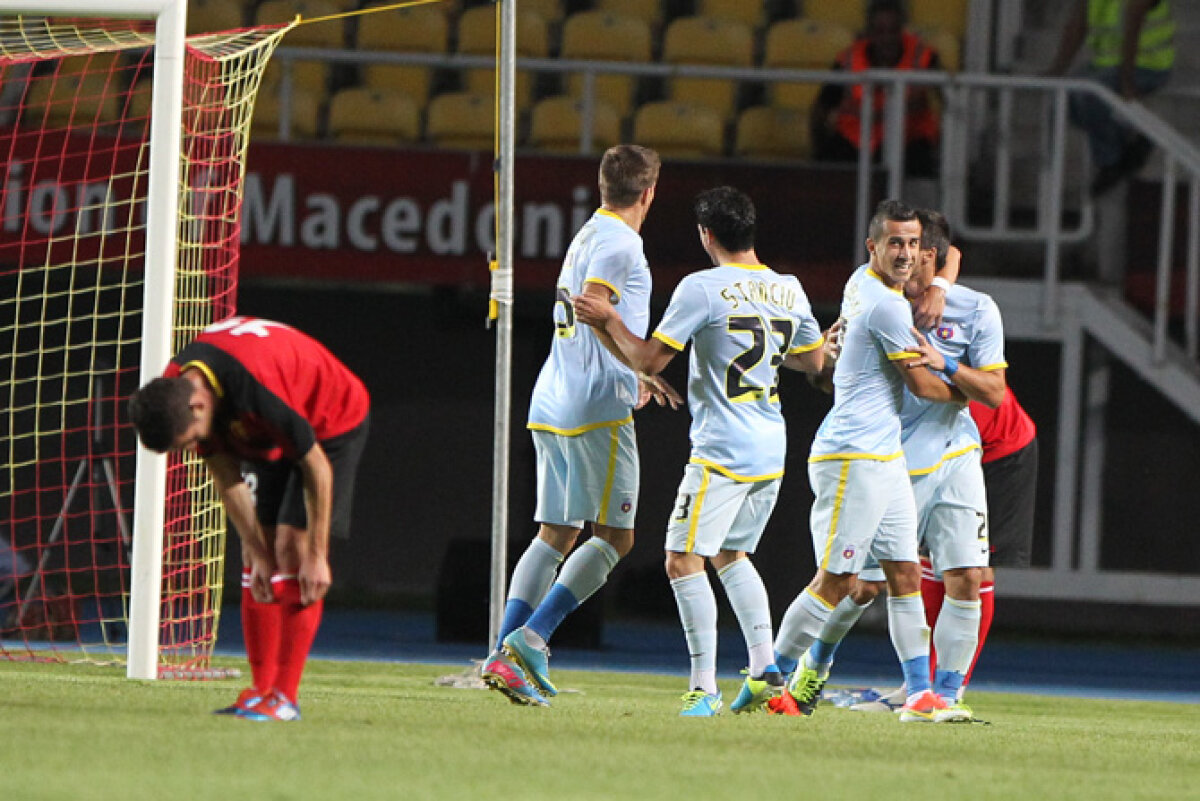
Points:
x=362 y=115
x=477 y=36
x=209 y=16
x=946 y=15
x=802 y=44
x=770 y=133
x=462 y=120
x=945 y=43
x=648 y=11
x=604 y=36
x=73 y=99
x=556 y=125
x=747 y=13
x=420 y=29
x=848 y=13
x=331 y=34
x=304 y=114
x=703 y=40
x=679 y=130
x=549 y=10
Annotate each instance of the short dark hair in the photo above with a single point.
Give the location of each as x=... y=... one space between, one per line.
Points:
x=625 y=172
x=889 y=211
x=935 y=233
x=161 y=411
x=886 y=7
x=729 y=214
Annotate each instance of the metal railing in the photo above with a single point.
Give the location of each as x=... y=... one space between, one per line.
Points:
x=965 y=96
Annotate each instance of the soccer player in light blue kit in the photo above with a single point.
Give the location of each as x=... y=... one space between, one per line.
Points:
x=943 y=450
x=581 y=420
x=744 y=321
x=864 y=502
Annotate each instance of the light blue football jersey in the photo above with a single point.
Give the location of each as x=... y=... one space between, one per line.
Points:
x=742 y=321
x=971 y=333
x=868 y=390
x=581 y=385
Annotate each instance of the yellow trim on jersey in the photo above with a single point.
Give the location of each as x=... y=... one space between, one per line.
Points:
x=990 y=367
x=608 y=213
x=742 y=266
x=838 y=500
x=902 y=354
x=732 y=475
x=692 y=526
x=825 y=457
x=666 y=340
x=807 y=348
x=945 y=458
x=916 y=594
x=614 y=441
x=208 y=374
x=879 y=278
x=616 y=292
x=574 y=432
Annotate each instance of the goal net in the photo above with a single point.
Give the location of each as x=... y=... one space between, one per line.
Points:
x=75 y=117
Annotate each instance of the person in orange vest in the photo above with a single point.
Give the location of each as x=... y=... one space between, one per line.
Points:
x=836 y=113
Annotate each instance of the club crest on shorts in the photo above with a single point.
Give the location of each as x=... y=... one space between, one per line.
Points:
x=944 y=331
x=848 y=553
x=626 y=504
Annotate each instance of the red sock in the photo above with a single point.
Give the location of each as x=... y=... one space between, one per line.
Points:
x=299 y=628
x=933 y=593
x=987 y=609
x=260 y=631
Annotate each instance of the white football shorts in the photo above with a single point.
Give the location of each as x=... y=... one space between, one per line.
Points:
x=588 y=477
x=713 y=512
x=952 y=513
x=862 y=507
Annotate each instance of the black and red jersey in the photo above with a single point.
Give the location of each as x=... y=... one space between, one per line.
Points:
x=1006 y=429
x=278 y=390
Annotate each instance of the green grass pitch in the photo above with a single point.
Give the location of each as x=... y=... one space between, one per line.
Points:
x=385 y=731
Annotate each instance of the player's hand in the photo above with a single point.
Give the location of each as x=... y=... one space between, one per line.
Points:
x=260 y=580
x=592 y=311
x=833 y=340
x=930 y=356
x=655 y=386
x=928 y=313
x=314 y=579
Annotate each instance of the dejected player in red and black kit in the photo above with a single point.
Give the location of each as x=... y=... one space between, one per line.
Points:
x=281 y=424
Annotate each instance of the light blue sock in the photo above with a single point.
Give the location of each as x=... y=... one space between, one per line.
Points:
x=910 y=638
x=841 y=620
x=531 y=579
x=801 y=624
x=584 y=572
x=787 y=664
x=698 y=614
x=748 y=596
x=956 y=637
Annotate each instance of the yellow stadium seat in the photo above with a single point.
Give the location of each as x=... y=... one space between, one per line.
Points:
x=946 y=15
x=556 y=124
x=362 y=115
x=304 y=114
x=648 y=11
x=679 y=130
x=331 y=34
x=210 y=16
x=550 y=10
x=850 y=13
x=73 y=99
x=477 y=36
x=604 y=36
x=744 y=11
x=703 y=40
x=945 y=43
x=770 y=133
x=802 y=44
x=419 y=29
x=462 y=120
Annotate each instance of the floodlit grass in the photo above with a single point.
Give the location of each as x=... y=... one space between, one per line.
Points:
x=385 y=731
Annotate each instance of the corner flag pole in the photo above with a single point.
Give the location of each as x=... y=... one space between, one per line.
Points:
x=501 y=311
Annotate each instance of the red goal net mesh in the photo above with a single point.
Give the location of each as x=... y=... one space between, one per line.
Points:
x=75 y=111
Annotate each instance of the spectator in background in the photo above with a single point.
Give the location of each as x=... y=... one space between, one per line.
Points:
x=836 y=117
x=1132 y=54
